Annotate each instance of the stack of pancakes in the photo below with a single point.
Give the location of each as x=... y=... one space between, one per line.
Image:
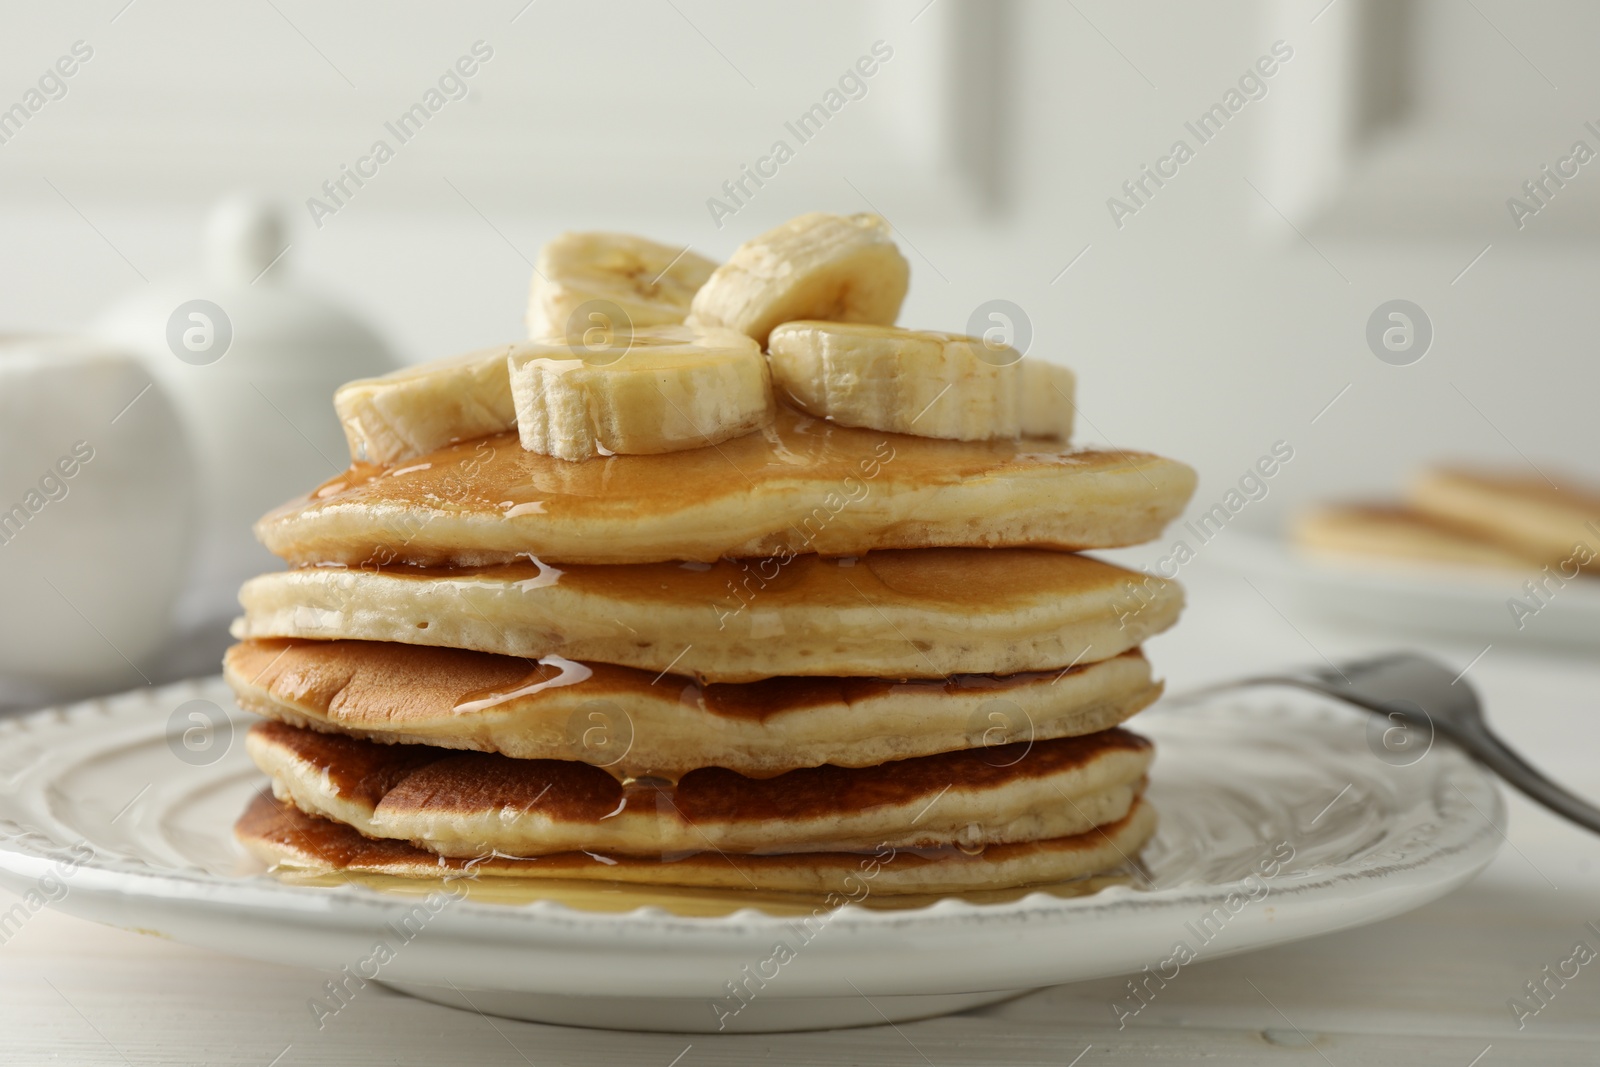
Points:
x=813 y=658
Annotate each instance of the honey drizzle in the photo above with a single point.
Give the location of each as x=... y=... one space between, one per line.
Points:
x=568 y=672
x=686 y=902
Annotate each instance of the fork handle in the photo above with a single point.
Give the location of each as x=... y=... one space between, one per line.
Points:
x=1483 y=745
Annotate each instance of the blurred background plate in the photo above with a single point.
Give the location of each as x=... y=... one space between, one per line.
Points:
x=1399 y=597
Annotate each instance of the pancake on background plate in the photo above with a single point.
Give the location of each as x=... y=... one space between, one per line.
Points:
x=1394 y=531
x=1524 y=514
x=1465 y=517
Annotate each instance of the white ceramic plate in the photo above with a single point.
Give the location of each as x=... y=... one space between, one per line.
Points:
x=1464 y=602
x=1278 y=822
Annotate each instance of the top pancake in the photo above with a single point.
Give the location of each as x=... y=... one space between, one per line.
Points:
x=804 y=486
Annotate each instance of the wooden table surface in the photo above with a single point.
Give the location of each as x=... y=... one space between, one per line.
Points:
x=1431 y=987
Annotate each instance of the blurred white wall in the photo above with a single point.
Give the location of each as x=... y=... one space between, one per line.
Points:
x=1223 y=315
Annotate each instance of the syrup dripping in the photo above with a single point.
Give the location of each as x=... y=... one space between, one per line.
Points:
x=568 y=672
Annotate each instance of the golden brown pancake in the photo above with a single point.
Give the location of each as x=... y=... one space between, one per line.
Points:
x=473 y=804
x=924 y=614
x=281 y=835
x=806 y=486
x=1525 y=515
x=1400 y=533
x=637 y=724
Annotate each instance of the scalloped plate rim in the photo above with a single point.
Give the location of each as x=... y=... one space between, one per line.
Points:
x=264 y=894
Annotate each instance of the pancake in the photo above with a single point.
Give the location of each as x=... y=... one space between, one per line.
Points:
x=281 y=835
x=1526 y=515
x=806 y=486
x=473 y=804
x=898 y=614
x=637 y=725
x=1399 y=533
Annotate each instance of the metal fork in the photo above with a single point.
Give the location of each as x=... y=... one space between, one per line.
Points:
x=1401 y=685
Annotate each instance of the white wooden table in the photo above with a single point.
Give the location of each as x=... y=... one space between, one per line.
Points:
x=1430 y=987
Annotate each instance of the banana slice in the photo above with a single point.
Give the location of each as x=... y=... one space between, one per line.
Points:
x=918 y=382
x=1048 y=406
x=660 y=389
x=420 y=409
x=650 y=283
x=838 y=268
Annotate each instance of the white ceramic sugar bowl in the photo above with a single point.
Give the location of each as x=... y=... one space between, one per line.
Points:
x=251 y=360
x=97 y=510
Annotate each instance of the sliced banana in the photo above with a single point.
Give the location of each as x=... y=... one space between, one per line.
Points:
x=650 y=283
x=662 y=389
x=1048 y=406
x=836 y=268
x=918 y=382
x=420 y=409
